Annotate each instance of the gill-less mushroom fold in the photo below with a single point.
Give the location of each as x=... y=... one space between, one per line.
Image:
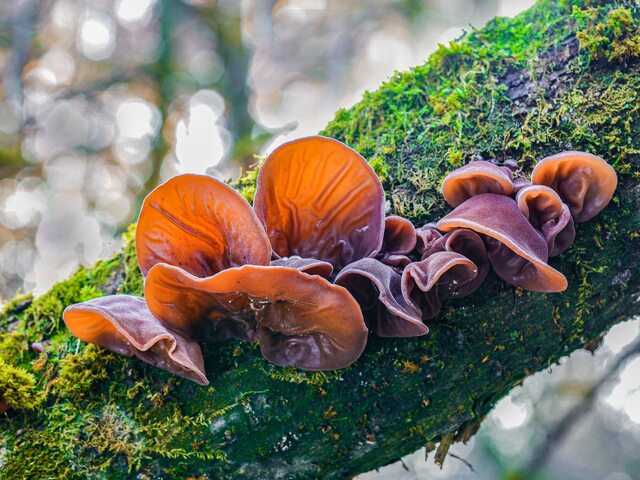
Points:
x=585 y=182
x=518 y=253
x=201 y=225
x=468 y=243
x=439 y=276
x=124 y=324
x=547 y=213
x=399 y=240
x=298 y=319
x=378 y=289
x=317 y=198
x=476 y=178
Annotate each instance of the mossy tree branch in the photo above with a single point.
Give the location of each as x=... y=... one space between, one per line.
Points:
x=564 y=75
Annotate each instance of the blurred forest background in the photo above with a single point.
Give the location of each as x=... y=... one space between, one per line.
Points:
x=100 y=100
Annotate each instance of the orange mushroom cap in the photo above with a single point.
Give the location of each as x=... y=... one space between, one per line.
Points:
x=201 y=225
x=124 y=324
x=544 y=209
x=317 y=198
x=523 y=260
x=299 y=320
x=476 y=178
x=584 y=181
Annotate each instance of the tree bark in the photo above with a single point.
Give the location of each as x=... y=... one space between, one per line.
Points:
x=517 y=89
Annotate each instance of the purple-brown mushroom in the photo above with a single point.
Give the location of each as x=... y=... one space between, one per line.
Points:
x=585 y=182
x=439 y=276
x=298 y=319
x=547 y=213
x=317 y=198
x=398 y=241
x=378 y=289
x=518 y=253
x=468 y=243
x=123 y=324
x=476 y=178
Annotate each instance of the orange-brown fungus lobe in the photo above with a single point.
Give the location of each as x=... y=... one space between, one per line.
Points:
x=124 y=325
x=476 y=178
x=317 y=198
x=299 y=320
x=585 y=182
x=199 y=224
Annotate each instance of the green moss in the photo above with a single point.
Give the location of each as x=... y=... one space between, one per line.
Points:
x=13 y=346
x=608 y=35
x=246 y=183
x=18 y=388
x=381 y=168
x=79 y=374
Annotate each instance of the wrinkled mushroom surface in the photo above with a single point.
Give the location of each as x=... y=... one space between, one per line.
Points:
x=124 y=324
x=201 y=225
x=585 y=182
x=298 y=319
x=375 y=285
x=523 y=260
x=476 y=178
x=317 y=198
x=547 y=213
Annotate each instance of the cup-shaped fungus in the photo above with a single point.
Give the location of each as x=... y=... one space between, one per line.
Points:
x=584 y=181
x=518 y=253
x=317 y=198
x=123 y=324
x=547 y=213
x=201 y=225
x=378 y=289
x=476 y=178
x=398 y=241
x=439 y=276
x=468 y=243
x=298 y=319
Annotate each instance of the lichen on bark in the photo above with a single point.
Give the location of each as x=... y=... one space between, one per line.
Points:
x=518 y=89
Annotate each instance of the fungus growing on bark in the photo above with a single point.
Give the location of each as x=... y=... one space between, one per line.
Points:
x=544 y=209
x=298 y=319
x=378 y=289
x=201 y=225
x=317 y=198
x=123 y=324
x=399 y=240
x=216 y=268
x=430 y=281
x=518 y=253
x=585 y=182
x=476 y=178
x=468 y=243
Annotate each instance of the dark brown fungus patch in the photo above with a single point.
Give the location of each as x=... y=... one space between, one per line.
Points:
x=439 y=276
x=299 y=320
x=584 y=181
x=518 y=253
x=476 y=178
x=124 y=324
x=378 y=289
x=201 y=225
x=544 y=209
x=318 y=198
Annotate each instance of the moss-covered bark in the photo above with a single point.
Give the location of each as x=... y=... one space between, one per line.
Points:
x=564 y=75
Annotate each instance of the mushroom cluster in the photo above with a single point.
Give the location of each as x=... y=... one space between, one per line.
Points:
x=315 y=265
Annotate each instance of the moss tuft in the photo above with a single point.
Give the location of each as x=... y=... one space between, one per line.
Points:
x=79 y=374
x=18 y=388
